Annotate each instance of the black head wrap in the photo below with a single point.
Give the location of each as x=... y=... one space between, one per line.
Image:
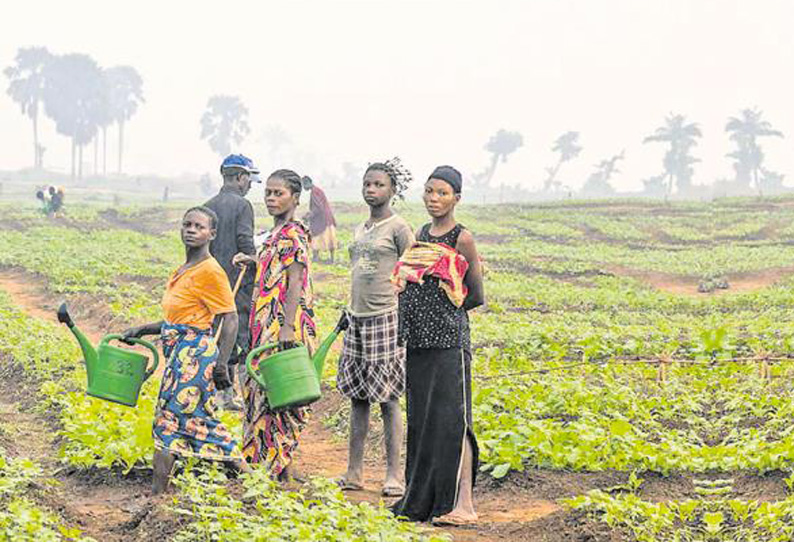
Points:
x=450 y=175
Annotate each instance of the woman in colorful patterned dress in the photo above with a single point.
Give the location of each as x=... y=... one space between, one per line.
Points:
x=282 y=312
x=185 y=424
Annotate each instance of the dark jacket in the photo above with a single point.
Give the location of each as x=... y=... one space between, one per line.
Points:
x=235 y=234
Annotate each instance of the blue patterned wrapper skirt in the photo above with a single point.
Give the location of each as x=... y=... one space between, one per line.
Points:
x=185 y=421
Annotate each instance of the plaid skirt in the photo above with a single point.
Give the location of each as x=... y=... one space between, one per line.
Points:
x=372 y=365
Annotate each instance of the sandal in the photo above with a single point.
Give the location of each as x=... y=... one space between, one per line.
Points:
x=345 y=485
x=392 y=491
x=451 y=520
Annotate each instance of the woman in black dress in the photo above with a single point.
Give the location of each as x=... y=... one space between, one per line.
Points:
x=441 y=280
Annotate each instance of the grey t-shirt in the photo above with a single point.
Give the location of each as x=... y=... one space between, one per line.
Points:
x=374 y=253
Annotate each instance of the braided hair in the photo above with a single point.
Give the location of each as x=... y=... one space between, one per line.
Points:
x=293 y=181
x=398 y=174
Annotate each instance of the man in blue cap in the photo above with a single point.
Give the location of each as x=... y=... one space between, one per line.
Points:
x=236 y=234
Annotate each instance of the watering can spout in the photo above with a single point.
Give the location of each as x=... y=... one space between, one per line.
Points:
x=318 y=360
x=89 y=352
x=319 y=357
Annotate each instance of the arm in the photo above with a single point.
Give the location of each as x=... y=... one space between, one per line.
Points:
x=139 y=331
x=228 y=336
x=241 y=259
x=245 y=229
x=294 y=282
x=404 y=239
x=473 y=278
x=225 y=341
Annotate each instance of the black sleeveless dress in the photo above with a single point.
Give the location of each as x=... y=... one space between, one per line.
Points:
x=438 y=394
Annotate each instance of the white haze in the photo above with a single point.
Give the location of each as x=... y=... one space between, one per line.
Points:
x=430 y=81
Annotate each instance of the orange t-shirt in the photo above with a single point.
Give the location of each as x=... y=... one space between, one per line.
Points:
x=196 y=295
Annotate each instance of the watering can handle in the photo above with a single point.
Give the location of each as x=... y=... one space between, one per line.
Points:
x=250 y=358
x=147 y=344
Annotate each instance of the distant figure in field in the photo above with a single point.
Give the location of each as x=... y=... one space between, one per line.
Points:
x=44 y=197
x=51 y=200
x=321 y=220
x=236 y=235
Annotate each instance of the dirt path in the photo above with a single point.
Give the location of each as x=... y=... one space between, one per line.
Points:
x=101 y=510
x=683 y=285
x=111 y=508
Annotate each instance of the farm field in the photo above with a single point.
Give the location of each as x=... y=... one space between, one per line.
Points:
x=632 y=381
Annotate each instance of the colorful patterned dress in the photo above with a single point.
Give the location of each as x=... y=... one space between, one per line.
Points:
x=269 y=437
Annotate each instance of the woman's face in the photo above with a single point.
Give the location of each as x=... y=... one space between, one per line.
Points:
x=439 y=198
x=197 y=229
x=377 y=189
x=278 y=198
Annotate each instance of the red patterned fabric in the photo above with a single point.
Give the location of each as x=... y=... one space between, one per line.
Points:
x=321 y=215
x=270 y=437
x=437 y=260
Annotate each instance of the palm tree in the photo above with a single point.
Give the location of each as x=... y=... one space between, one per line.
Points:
x=74 y=96
x=224 y=122
x=597 y=183
x=748 y=156
x=26 y=87
x=501 y=145
x=568 y=147
x=681 y=136
x=124 y=93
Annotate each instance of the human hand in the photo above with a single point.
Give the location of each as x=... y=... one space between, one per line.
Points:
x=220 y=375
x=344 y=321
x=131 y=333
x=240 y=259
x=286 y=334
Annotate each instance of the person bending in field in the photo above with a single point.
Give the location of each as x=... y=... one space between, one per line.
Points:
x=372 y=364
x=282 y=312
x=236 y=234
x=185 y=421
x=321 y=220
x=56 y=201
x=441 y=279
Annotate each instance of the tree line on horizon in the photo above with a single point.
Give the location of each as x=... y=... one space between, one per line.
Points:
x=225 y=124
x=81 y=97
x=678 y=134
x=84 y=99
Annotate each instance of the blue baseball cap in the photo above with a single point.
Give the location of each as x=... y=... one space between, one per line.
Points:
x=241 y=161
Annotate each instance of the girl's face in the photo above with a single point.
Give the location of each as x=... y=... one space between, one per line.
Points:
x=377 y=189
x=439 y=198
x=197 y=229
x=278 y=198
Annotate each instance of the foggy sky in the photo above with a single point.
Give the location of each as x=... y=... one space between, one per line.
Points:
x=430 y=81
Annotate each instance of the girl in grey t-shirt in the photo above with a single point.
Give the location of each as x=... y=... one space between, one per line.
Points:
x=372 y=364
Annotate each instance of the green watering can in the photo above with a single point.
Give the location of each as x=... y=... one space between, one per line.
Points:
x=114 y=374
x=291 y=378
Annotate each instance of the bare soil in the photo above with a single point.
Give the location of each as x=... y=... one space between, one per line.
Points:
x=688 y=285
x=112 y=507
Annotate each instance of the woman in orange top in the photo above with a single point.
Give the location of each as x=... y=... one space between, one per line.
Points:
x=185 y=422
